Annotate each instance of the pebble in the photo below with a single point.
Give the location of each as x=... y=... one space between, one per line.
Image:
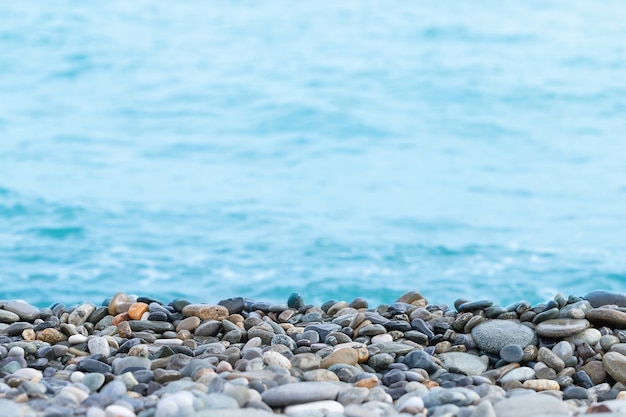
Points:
x=136 y=356
x=493 y=335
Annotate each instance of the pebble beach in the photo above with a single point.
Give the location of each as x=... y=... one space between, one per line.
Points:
x=138 y=356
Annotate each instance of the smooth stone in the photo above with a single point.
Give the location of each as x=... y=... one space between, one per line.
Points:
x=541 y=385
x=306 y=361
x=321 y=375
x=551 y=359
x=271 y=358
x=512 y=353
x=208 y=328
x=115 y=410
x=118 y=298
x=120 y=364
x=206 y=311
x=325 y=407
x=563 y=350
x=392 y=348
x=600 y=298
x=531 y=405
x=93 y=381
x=99 y=346
x=189 y=323
x=609 y=316
x=493 y=335
x=24 y=310
x=574 y=309
x=590 y=336
x=520 y=374
x=234 y=305
x=422 y=360
x=557 y=328
x=92 y=365
x=475 y=305
x=464 y=363
x=81 y=313
x=304 y=392
x=615 y=365
x=8 y=316
x=155 y=326
x=346 y=355
x=484 y=409
x=10 y=408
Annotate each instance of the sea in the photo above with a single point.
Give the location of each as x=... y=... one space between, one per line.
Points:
x=207 y=150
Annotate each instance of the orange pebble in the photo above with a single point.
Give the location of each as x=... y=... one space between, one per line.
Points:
x=136 y=310
x=430 y=384
x=119 y=318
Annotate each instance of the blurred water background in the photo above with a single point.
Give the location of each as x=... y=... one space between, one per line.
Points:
x=337 y=149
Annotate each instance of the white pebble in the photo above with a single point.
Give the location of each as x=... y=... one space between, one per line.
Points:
x=95 y=412
x=29 y=373
x=76 y=339
x=16 y=351
x=326 y=407
x=77 y=376
x=170 y=342
x=115 y=410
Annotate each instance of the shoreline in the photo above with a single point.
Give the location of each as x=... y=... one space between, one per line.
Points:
x=138 y=356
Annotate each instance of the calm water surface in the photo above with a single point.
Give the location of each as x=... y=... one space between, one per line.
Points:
x=215 y=149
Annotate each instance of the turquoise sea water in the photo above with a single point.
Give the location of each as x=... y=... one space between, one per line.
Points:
x=337 y=149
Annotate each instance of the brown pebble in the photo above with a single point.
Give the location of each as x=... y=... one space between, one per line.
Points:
x=117 y=299
x=206 y=311
x=51 y=336
x=368 y=383
x=190 y=324
x=137 y=310
x=124 y=330
x=119 y=318
x=430 y=384
x=596 y=371
x=541 y=385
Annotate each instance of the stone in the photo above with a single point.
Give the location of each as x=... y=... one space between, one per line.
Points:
x=607 y=316
x=306 y=361
x=346 y=355
x=190 y=324
x=206 y=311
x=304 y=392
x=118 y=298
x=276 y=359
x=115 y=410
x=8 y=316
x=92 y=365
x=24 y=310
x=600 y=298
x=93 y=381
x=551 y=359
x=464 y=363
x=326 y=407
x=531 y=405
x=563 y=350
x=512 y=353
x=81 y=313
x=99 y=346
x=521 y=374
x=493 y=335
x=558 y=328
x=52 y=336
x=137 y=310
x=120 y=364
x=541 y=385
x=615 y=365
x=589 y=336
x=320 y=375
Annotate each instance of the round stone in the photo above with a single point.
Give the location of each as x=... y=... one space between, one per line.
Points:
x=561 y=327
x=493 y=335
x=99 y=345
x=117 y=299
x=136 y=310
x=512 y=353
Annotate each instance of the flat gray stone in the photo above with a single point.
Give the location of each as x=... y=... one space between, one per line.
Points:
x=601 y=298
x=130 y=362
x=531 y=405
x=462 y=362
x=299 y=393
x=615 y=365
x=24 y=310
x=561 y=327
x=493 y=335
